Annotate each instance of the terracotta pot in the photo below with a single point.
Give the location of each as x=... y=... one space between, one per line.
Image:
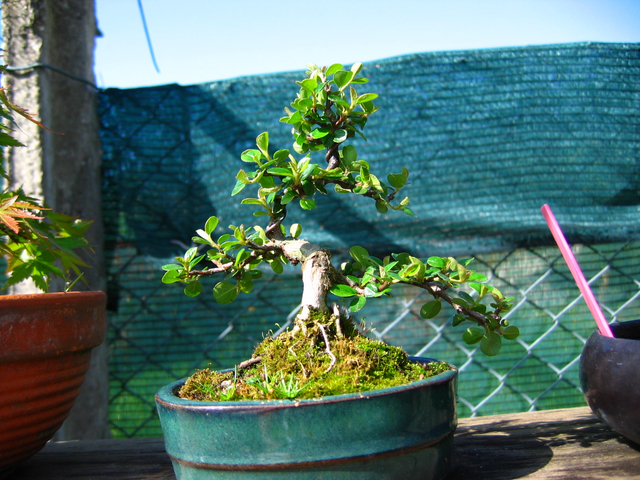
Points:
x=45 y=348
x=400 y=433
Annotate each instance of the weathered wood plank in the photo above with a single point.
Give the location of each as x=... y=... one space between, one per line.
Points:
x=132 y=459
x=569 y=444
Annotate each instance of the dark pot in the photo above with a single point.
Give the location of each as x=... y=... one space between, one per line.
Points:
x=400 y=433
x=610 y=377
x=45 y=349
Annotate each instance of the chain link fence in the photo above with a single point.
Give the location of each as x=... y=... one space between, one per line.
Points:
x=489 y=136
x=158 y=335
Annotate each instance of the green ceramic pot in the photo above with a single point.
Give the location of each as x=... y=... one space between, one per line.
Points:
x=402 y=432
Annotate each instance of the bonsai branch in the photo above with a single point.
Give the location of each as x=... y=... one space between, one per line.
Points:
x=220 y=268
x=332 y=158
x=438 y=291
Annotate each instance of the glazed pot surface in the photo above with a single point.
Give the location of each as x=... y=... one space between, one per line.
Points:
x=396 y=433
x=610 y=377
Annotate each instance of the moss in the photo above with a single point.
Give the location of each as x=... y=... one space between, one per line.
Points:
x=299 y=364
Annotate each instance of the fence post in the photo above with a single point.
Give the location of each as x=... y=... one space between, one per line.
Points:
x=63 y=170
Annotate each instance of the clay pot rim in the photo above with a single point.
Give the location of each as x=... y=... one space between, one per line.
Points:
x=39 y=298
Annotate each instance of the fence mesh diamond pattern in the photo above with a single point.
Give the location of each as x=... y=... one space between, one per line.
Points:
x=489 y=136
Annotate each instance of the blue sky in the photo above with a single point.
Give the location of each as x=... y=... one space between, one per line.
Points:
x=197 y=41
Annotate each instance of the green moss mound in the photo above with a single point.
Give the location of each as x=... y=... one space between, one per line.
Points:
x=318 y=357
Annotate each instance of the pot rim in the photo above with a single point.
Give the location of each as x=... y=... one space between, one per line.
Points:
x=40 y=295
x=618 y=328
x=35 y=298
x=168 y=399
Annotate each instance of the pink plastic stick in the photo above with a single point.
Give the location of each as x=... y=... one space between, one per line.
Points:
x=578 y=276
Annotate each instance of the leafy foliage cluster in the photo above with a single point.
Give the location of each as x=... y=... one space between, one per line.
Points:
x=327 y=112
x=36 y=242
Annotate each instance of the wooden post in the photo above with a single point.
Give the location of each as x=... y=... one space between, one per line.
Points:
x=55 y=40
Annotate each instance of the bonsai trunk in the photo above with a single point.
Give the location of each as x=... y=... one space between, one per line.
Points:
x=318 y=274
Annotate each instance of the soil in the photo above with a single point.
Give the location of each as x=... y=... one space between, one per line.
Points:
x=318 y=357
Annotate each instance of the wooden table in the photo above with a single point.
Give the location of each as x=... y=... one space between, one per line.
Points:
x=568 y=444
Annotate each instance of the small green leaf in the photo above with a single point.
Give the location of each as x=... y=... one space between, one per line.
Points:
x=370 y=290
x=172 y=266
x=280 y=155
x=190 y=254
x=343 y=291
x=306 y=173
x=246 y=284
x=430 y=309
x=357 y=304
x=381 y=207
x=343 y=78
x=277 y=267
x=196 y=261
x=262 y=235
x=193 y=289
x=511 y=332
x=307 y=203
x=211 y=225
x=467 y=298
x=360 y=255
x=309 y=84
x=367 y=97
x=302 y=103
x=267 y=181
x=288 y=197
x=251 y=201
x=349 y=155
x=396 y=181
x=262 y=141
x=242 y=176
x=491 y=344
x=320 y=133
x=238 y=188
x=477 y=277
x=251 y=156
x=437 y=262
x=295 y=230
x=410 y=270
x=282 y=172
x=333 y=69
x=225 y=292
x=340 y=135
x=480 y=308
x=480 y=288
x=171 y=276
x=473 y=335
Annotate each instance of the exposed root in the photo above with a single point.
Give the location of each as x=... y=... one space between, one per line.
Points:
x=327 y=347
x=336 y=319
x=248 y=363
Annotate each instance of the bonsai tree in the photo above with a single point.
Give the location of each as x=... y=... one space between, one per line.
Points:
x=326 y=114
x=36 y=242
